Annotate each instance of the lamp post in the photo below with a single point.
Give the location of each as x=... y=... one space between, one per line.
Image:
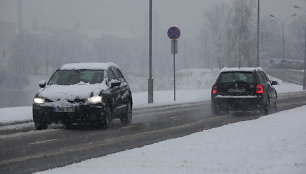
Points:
x=304 y=73
x=150 y=80
x=283 y=22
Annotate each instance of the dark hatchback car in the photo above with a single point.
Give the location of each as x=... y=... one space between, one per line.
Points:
x=243 y=89
x=83 y=93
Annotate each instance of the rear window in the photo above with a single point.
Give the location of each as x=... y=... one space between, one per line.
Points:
x=228 y=77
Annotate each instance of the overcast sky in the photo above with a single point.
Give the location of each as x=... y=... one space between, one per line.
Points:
x=130 y=15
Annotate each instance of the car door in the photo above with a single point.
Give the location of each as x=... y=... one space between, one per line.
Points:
x=122 y=90
x=113 y=92
x=271 y=92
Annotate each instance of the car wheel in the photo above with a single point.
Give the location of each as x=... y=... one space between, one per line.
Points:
x=106 y=118
x=275 y=107
x=275 y=104
x=266 y=107
x=40 y=125
x=68 y=125
x=126 y=118
x=215 y=109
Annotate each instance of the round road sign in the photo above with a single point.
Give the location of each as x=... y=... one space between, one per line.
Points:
x=174 y=33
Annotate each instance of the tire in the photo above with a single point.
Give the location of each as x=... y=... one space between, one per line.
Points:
x=126 y=118
x=215 y=109
x=40 y=125
x=266 y=107
x=275 y=107
x=275 y=104
x=40 y=120
x=106 y=119
x=68 y=125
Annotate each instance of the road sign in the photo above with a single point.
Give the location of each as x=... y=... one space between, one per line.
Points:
x=174 y=33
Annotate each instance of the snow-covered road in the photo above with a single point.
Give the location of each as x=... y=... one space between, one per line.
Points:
x=274 y=144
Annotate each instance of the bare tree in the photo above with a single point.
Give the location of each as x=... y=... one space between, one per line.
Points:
x=229 y=35
x=214 y=34
x=240 y=34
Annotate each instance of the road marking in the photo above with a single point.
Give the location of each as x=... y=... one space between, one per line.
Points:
x=127 y=127
x=174 y=110
x=31 y=132
x=170 y=106
x=39 y=142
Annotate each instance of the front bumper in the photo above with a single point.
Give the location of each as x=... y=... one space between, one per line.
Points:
x=82 y=114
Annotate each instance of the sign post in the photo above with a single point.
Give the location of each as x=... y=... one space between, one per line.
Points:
x=174 y=33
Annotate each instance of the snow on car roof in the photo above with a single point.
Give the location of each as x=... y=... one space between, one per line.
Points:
x=243 y=69
x=93 y=65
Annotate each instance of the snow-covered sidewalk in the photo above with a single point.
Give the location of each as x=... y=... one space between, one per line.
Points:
x=274 y=144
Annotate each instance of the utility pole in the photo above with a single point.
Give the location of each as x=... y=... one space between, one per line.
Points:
x=283 y=55
x=258 y=23
x=304 y=73
x=150 y=80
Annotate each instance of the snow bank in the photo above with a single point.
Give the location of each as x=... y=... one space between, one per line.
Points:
x=269 y=145
x=15 y=114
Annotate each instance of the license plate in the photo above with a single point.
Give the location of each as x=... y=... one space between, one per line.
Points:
x=236 y=90
x=64 y=109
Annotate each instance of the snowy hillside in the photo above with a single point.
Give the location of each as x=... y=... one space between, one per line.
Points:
x=187 y=79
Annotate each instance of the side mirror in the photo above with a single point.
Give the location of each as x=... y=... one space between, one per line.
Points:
x=115 y=83
x=42 y=84
x=274 y=83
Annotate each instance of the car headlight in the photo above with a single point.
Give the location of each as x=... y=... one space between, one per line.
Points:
x=94 y=99
x=39 y=100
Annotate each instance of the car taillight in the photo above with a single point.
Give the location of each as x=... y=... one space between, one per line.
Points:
x=259 y=89
x=214 y=89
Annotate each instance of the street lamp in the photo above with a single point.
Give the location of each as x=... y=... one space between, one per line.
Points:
x=150 y=80
x=304 y=74
x=283 y=22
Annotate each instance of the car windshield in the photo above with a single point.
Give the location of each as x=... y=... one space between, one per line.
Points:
x=71 y=77
x=228 y=77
